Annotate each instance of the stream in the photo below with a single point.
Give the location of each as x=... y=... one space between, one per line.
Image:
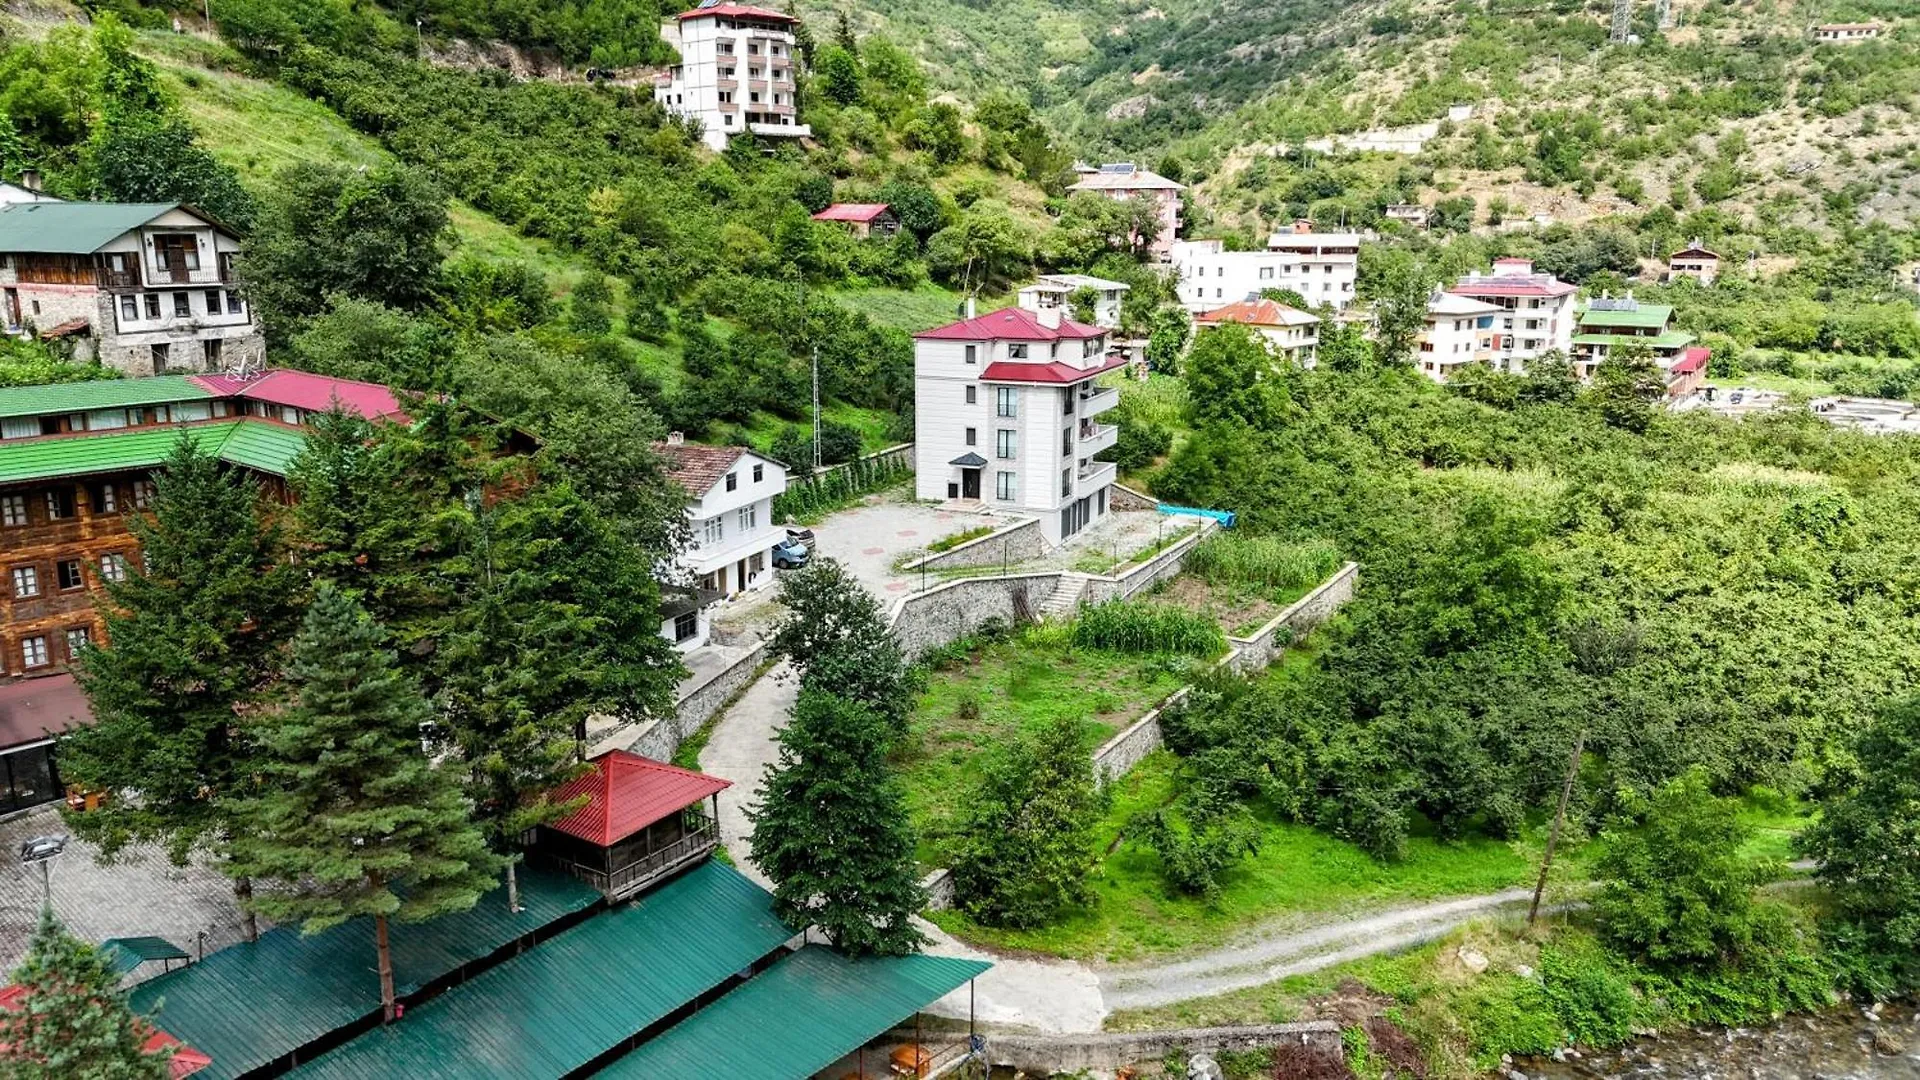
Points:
x=1841 y=1044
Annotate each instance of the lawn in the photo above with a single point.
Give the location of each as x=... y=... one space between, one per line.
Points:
x=1011 y=687
x=911 y=310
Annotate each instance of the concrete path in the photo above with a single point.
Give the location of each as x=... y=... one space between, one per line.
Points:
x=741 y=749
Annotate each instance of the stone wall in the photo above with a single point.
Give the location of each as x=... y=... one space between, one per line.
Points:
x=1008 y=546
x=1046 y=1055
x=659 y=738
x=938 y=887
x=1261 y=648
x=1117 y=756
x=1121 y=497
x=949 y=612
x=1138 y=579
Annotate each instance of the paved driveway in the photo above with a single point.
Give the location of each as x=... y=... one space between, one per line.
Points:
x=869 y=540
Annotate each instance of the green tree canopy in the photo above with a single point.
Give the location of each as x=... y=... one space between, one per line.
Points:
x=74 y=1020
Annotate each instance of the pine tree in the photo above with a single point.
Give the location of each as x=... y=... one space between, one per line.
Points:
x=192 y=637
x=832 y=829
x=558 y=621
x=73 y=1020
x=349 y=815
x=835 y=634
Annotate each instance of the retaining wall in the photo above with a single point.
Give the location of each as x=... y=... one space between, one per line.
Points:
x=1117 y=756
x=1137 y=579
x=1045 y=1055
x=1261 y=648
x=659 y=738
x=1121 y=497
x=951 y=611
x=1008 y=546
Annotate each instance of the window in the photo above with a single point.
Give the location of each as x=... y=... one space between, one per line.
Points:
x=113 y=568
x=182 y=305
x=1066 y=402
x=972 y=396
x=13 y=509
x=716 y=531
x=234 y=306
x=153 y=305
x=78 y=638
x=160 y=354
x=749 y=517
x=1266 y=273
x=1017 y=351
x=733 y=481
x=213 y=302
x=59 y=503
x=1003 y=443
x=1003 y=485
x=210 y=352
x=142 y=494
x=26 y=582
x=67 y=571
x=759 y=473
x=33 y=651
x=973 y=437
x=1066 y=482
x=1066 y=442
x=129 y=309
x=973 y=354
x=685 y=625
x=1006 y=401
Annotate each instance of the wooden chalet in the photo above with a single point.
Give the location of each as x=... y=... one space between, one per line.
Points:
x=643 y=821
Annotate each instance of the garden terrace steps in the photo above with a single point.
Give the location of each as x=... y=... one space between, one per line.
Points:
x=1064 y=600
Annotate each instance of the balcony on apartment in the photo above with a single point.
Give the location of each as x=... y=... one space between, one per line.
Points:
x=790 y=131
x=1095 y=400
x=1096 y=437
x=1094 y=474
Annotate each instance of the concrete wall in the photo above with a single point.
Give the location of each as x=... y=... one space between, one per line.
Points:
x=1011 y=545
x=1137 y=579
x=1262 y=647
x=1046 y=1055
x=1117 y=756
x=659 y=738
x=949 y=612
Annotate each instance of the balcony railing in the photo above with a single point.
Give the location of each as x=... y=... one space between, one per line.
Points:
x=635 y=876
x=1095 y=474
x=1098 y=400
x=1097 y=437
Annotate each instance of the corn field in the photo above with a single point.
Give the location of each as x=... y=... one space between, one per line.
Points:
x=1134 y=626
x=1234 y=558
x=809 y=497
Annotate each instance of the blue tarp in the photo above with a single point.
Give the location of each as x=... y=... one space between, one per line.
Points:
x=1224 y=517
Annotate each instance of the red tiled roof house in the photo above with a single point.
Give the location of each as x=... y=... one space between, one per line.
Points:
x=862 y=219
x=641 y=820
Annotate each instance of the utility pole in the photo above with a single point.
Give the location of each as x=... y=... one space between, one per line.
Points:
x=1560 y=816
x=816 y=408
x=1663 y=14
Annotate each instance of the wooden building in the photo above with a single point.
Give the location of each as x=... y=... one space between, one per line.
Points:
x=643 y=820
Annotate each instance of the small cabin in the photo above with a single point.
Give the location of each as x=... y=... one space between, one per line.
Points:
x=862 y=219
x=1846 y=32
x=1694 y=261
x=643 y=821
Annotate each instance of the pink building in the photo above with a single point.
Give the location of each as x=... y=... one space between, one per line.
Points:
x=1126 y=180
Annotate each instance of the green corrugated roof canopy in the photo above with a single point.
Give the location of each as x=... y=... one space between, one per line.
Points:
x=72 y=397
x=577 y=995
x=1672 y=339
x=252 y=443
x=127 y=953
x=796 y=1018
x=71 y=228
x=1645 y=315
x=249 y=1005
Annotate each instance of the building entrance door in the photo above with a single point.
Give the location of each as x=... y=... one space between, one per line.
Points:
x=969 y=483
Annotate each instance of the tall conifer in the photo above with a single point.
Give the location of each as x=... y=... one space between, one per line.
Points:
x=74 y=1020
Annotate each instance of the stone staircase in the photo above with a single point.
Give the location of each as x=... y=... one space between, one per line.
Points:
x=1065 y=599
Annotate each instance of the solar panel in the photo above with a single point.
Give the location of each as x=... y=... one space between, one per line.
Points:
x=1120 y=168
x=1608 y=303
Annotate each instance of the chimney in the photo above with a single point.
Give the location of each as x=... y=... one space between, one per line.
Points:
x=969 y=305
x=30 y=179
x=676 y=438
x=1048 y=317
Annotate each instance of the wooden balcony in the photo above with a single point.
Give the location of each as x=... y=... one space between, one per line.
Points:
x=625 y=881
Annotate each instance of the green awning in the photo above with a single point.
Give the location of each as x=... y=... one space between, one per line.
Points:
x=73 y=397
x=798 y=1017
x=249 y=1005
x=253 y=443
x=567 y=1001
x=127 y=953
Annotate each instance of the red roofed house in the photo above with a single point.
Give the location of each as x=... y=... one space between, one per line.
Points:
x=642 y=821
x=735 y=73
x=862 y=219
x=1536 y=312
x=1688 y=372
x=1694 y=261
x=1005 y=408
x=1292 y=333
x=185 y=1060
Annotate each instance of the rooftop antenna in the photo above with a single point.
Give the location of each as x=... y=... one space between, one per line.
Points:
x=1622 y=21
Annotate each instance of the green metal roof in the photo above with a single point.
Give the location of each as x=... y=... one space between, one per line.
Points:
x=71 y=228
x=1672 y=339
x=796 y=1018
x=127 y=953
x=251 y=1004
x=574 y=997
x=72 y=397
x=253 y=443
x=1646 y=315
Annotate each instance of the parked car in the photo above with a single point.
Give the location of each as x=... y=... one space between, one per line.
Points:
x=801 y=536
x=790 y=554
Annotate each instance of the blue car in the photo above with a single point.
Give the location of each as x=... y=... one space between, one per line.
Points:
x=790 y=554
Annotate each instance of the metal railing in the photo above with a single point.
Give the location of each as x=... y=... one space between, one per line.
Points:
x=631 y=878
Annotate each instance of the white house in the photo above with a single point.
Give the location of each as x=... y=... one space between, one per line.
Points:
x=1458 y=332
x=1321 y=267
x=1846 y=33
x=730 y=492
x=1293 y=334
x=735 y=72
x=1536 y=312
x=1050 y=291
x=1327 y=263
x=1005 y=413
x=1125 y=180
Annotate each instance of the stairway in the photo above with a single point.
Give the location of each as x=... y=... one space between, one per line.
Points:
x=1065 y=599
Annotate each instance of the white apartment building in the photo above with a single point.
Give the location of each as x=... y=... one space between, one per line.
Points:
x=1459 y=331
x=1051 y=291
x=1536 y=312
x=730 y=492
x=1006 y=412
x=1293 y=334
x=1321 y=267
x=735 y=72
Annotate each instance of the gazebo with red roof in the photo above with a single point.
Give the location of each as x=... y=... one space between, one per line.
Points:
x=643 y=821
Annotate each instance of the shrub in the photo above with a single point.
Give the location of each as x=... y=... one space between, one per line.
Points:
x=1197 y=841
x=1590 y=991
x=1138 y=627
x=948 y=543
x=1234 y=558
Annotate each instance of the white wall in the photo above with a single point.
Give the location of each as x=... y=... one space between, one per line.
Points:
x=1211 y=278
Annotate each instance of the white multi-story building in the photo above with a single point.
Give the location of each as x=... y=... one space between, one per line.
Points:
x=1536 y=312
x=1293 y=334
x=1006 y=413
x=1327 y=264
x=1321 y=267
x=1459 y=331
x=735 y=72
x=1050 y=291
x=730 y=492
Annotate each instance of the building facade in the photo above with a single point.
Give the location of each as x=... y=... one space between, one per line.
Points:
x=1846 y=33
x=735 y=73
x=1536 y=312
x=145 y=288
x=1055 y=291
x=1125 y=180
x=730 y=492
x=1321 y=267
x=862 y=219
x=1694 y=261
x=1459 y=331
x=1291 y=333
x=1006 y=413
x=1326 y=264
x=1611 y=322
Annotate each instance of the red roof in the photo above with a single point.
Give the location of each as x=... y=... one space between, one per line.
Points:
x=852 y=211
x=696 y=467
x=304 y=390
x=185 y=1061
x=1692 y=359
x=626 y=793
x=1512 y=260
x=1008 y=324
x=33 y=709
x=738 y=11
x=1258 y=313
x=1056 y=373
